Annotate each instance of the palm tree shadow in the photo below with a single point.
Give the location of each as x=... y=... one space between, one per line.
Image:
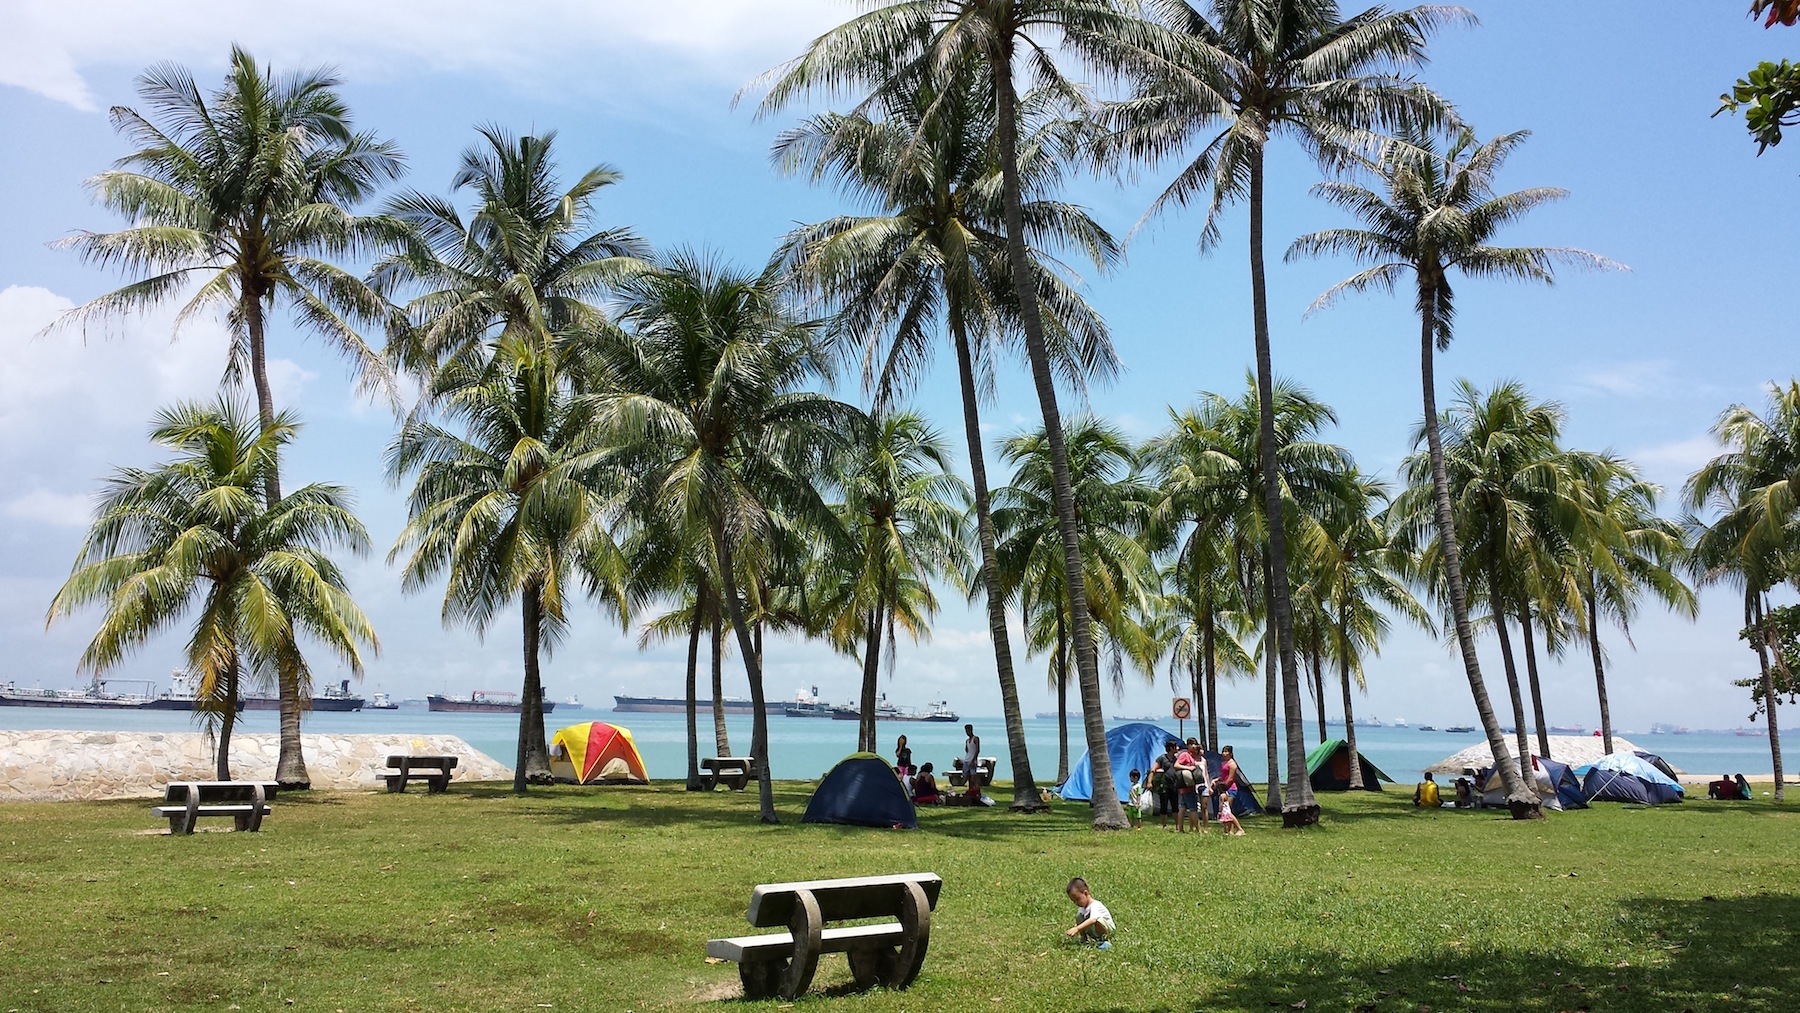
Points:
x=1692 y=955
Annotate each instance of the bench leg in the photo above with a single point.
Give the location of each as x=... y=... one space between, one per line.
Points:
x=396 y=783
x=437 y=784
x=253 y=821
x=871 y=966
x=915 y=919
x=807 y=928
x=761 y=978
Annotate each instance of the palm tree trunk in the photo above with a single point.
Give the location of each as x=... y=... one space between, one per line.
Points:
x=1318 y=688
x=1356 y=781
x=1197 y=684
x=1523 y=802
x=1025 y=793
x=533 y=765
x=1531 y=680
x=1108 y=813
x=1062 y=701
x=1756 y=615
x=222 y=762
x=1495 y=596
x=693 y=693
x=871 y=681
x=1270 y=724
x=759 y=719
x=1301 y=808
x=1211 y=661
x=721 y=735
x=1593 y=631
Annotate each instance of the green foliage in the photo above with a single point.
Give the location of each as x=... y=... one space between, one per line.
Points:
x=1770 y=99
x=583 y=898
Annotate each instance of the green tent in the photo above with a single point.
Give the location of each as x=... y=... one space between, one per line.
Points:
x=1328 y=766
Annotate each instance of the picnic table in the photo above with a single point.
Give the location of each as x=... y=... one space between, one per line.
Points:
x=246 y=802
x=888 y=952
x=984 y=769
x=433 y=770
x=731 y=771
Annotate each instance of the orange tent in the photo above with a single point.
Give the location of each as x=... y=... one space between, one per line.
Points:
x=595 y=752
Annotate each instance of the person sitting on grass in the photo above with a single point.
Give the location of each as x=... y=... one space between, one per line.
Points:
x=1093 y=922
x=1743 y=788
x=1426 y=796
x=925 y=789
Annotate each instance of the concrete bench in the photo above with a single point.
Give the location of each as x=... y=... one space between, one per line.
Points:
x=731 y=771
x=433 y=770
x=246 y=802
x=888 y=952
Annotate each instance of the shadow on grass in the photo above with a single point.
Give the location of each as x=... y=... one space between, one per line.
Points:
x=1728 y=953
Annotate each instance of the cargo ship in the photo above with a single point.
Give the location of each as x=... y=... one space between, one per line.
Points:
x=380 y=702
x=678 y=705
x=884 y=711
x=336 y=699
x=182 y=696
x=482 y=701
x=804 y=705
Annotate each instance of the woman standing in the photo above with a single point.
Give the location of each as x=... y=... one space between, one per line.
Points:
x=903 y=764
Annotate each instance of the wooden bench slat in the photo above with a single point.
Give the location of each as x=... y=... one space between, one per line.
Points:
x=777 y=944
x=840 y=899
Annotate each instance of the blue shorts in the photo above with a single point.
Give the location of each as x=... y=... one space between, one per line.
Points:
x=1190 y=800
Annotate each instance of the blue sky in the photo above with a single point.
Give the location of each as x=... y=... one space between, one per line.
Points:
x=1618 y=97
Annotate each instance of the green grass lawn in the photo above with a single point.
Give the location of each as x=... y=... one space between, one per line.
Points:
x=603 y=899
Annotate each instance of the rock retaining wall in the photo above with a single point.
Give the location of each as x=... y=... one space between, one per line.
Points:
x=58 y=765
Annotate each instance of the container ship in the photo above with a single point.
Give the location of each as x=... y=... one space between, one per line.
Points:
x=482 y=701
x=678 y=705
x=336 y=699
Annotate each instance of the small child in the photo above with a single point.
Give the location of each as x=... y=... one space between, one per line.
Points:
x=1092 y=919
x=1134 y=801
x=1228 y=820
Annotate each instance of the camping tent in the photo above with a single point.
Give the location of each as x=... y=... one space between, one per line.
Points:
x=1626 y=777
x=1134 y=745
x=1659 y=763
x=1328 y=765
x=596 y=752
x=1558 y=785
x=1574 y=750
x=862 y=790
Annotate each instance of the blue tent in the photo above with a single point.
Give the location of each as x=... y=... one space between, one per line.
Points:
x=1137 y=744
x=1247 y=803
x=1624 y=777
x=862 y=790
x=1558 y=785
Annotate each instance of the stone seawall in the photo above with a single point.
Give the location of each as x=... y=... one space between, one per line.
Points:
x=43 y=766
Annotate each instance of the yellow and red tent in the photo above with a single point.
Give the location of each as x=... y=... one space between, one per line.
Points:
x=595 y=752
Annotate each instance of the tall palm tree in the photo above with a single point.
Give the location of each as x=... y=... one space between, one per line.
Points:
x=1440 y=213
x=514 y=507
x=1121 y=575
x=903 y=509
x=198 y=531
x=524 y=262
x=1621 y=552
x=249 y=193
x=1510 y=484
x=1755 y=538
x=1253 y=70
x=710 y=419
x=901 y=46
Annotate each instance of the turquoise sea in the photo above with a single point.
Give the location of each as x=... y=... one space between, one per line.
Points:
x=807 y=747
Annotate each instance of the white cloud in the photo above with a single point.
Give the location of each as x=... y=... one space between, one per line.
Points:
x=45 y=45
x=69 y=510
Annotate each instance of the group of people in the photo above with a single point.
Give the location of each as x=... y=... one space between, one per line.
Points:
x=1181 y=783
x=921 y=782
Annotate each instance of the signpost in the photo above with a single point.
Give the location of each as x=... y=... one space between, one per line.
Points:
x=1182 y=709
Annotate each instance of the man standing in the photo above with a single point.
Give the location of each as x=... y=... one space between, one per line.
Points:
x=972 y=763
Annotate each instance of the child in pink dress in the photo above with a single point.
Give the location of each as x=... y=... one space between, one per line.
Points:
x=1228 y=820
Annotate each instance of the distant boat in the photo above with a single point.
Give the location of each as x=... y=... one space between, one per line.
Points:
x=1460 y=729
x=573 y=703
x=380 y=702
x=1373 y=722
x=1400 y=723
x=1237 y=723
x=482 y=701
x=1568 y=729
x=1662 y=729
x=678 y=705
x=335 y=699
x=1427 y=728
x=807 y=705
x=939 y=710
x=1750 y=733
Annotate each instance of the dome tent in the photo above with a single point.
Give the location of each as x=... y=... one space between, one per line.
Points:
x=1328 y=766
x=1627 y=777
x=594 y=752
x=1136 y=744
x=862 y=791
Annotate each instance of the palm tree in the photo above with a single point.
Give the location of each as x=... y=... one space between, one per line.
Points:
x=902 y=46
x=249 y=193
x=1254 y=70
x=197 y=531
x=514 y=508
x=1440 y=213
x=1363 y=577
x=1756 y=535
x=709 y=419
x=1121 y=577
x=1621 y=551
x=522 y=265
x=931 y=259
x=903 y=510
x=1510 y=484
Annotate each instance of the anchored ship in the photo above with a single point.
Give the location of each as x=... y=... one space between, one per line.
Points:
x=677 y=705
x=807 y=705
x=939 y=710
x=482 y=701
x=336 y=699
